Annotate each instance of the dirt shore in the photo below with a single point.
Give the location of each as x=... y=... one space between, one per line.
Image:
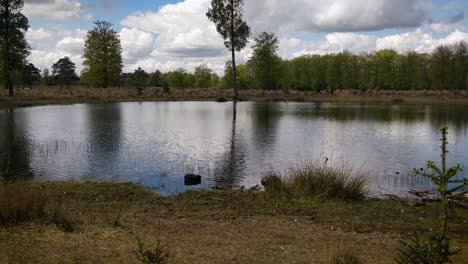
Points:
x=45 y=96
x=216 y=227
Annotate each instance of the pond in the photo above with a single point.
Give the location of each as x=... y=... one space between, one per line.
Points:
x=230 y=144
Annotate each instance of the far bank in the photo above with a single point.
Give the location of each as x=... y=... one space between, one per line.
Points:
x=74 y=95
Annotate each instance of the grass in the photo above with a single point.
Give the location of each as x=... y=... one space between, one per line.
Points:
x=53 y=95
x=21 y=202
x=217 y=227
x=343 y=254
x=329 y=182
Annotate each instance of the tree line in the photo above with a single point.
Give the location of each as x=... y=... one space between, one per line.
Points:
x=445 y=68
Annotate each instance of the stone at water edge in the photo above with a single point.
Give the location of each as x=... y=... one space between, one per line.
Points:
x=270 y=181
x=192 y=179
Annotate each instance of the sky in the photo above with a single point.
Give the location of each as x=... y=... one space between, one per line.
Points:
x=171 y=34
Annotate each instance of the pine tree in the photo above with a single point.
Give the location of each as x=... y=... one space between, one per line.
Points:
x=227 y=16
x=64 y=71
x=13 y=45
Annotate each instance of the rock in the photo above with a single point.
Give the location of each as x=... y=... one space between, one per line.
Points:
x=270 y=181
x=192 y=179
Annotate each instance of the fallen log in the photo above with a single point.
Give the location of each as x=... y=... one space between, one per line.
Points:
x=411 y=201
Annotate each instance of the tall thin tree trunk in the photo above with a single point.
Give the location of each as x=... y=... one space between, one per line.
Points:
x=234 y=70
x=466 y=84
x=8 y=64
x=106 y=78
x=444 y=184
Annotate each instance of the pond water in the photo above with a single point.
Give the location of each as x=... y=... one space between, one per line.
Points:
x=230 y=144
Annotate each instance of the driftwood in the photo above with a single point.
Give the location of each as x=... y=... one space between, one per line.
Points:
x=411 y=201
x=424 y=196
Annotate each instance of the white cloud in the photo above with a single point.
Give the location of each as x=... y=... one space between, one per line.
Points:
x=44 y=59
x=38 y=34
x=183 y=29
x=135 y=43
x=335 y=15
x=71 y=45
x=412 y=41
x=52 y=9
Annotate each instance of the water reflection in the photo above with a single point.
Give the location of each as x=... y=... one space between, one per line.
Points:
x=14 y=147
x=230 y=171
x=104 y=138
x=156 y=144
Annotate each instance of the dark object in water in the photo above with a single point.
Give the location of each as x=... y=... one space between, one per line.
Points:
x=397 y=173
x=192 y=179
x=270 y=181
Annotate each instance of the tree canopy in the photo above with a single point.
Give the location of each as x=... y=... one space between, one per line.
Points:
x=102 y=56
x=13 y=45
x=31 y=75
x=265 y=61
x=203 y=76
x=64 y=71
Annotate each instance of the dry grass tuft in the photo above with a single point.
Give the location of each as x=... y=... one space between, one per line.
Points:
x=20 y=202
x=330 y=182
x=341 y=254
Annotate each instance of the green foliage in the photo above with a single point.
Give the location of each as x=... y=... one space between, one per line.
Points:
x=445 y=68
x=157 y=255
x=227 y=17
x=437 y=249
x=432 y=251
x=139 y=79
x=13 y=45
x=31 y=75
x=102 y=56
x=180 y=79
x=203 y=76
x=155 y=79
x=265 y=61
x=64 y=71
x=46 y=78
x=166 y=86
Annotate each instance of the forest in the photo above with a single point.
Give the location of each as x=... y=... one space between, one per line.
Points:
x=445 y=68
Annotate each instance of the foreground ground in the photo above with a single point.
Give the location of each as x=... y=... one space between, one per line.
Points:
x=44 y=96
x=215 y=227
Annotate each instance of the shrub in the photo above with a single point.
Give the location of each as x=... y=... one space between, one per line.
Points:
x=158 y=255
x=221 y=99
x=21 y=202
x=437 y=247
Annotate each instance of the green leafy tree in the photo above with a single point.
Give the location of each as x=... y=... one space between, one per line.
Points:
x=227 y=16
x=441 y=67
x=156 y=79
x=265 y=61
x=46 y=79
x=139 y=79
x=203 y=76
x=178 y=78
x=102 y=56
x=13 y=44
x=64 y=72
x=31 y=75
